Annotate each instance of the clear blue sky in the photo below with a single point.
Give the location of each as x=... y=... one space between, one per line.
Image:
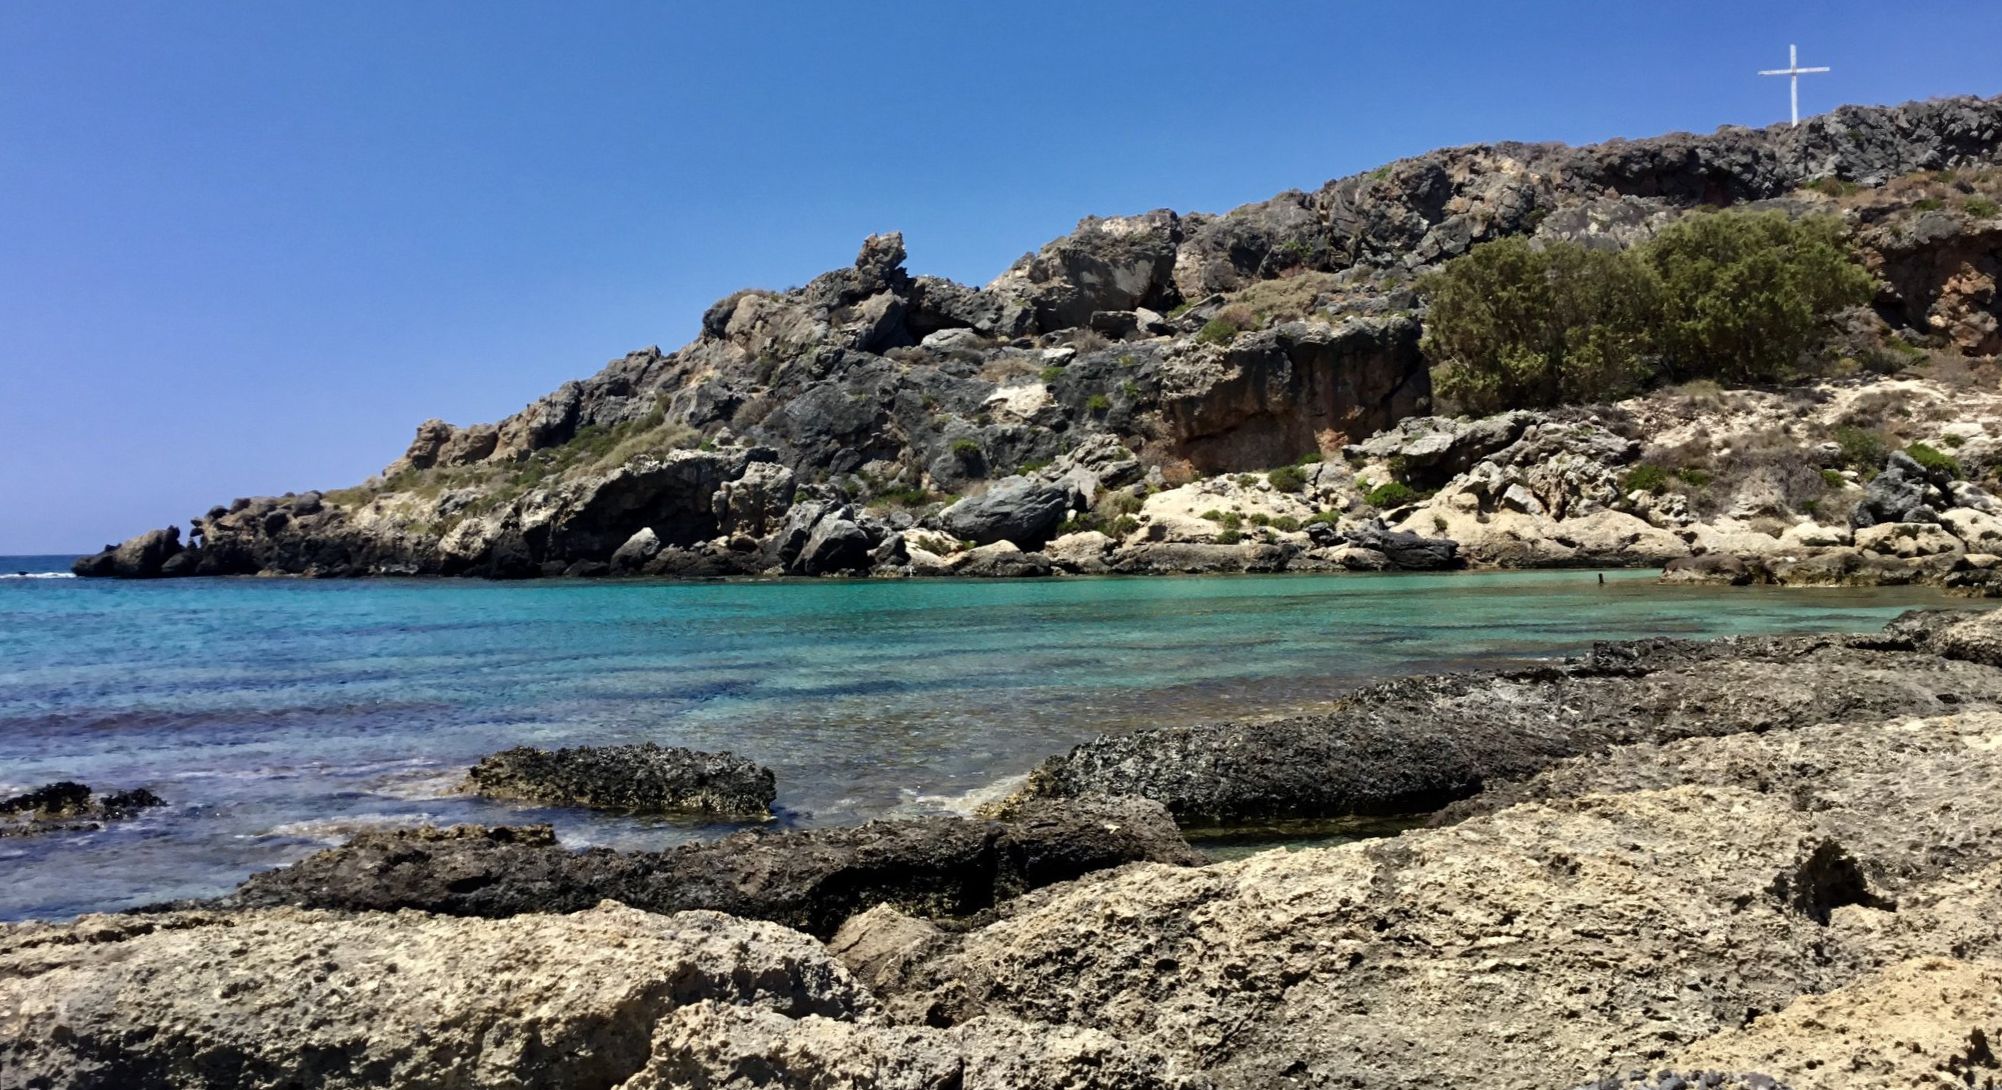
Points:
x=246 y=247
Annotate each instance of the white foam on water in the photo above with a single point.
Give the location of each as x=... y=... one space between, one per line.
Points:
x=966 y=803
x=338 y=830
x=37 y=575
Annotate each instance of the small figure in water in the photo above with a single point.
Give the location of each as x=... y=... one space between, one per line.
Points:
x=1602 y=579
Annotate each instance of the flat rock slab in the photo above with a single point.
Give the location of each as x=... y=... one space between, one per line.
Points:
x=643 y=778
x=812 y=880
x=1415 y=744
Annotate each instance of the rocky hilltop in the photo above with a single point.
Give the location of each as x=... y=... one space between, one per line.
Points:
x=1194 y=392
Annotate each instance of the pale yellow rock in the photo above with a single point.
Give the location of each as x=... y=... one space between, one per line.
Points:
x=1908 y=540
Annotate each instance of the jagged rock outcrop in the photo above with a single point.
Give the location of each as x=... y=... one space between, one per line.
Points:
x=642 y=778
x=812 y=879
x=877 y=389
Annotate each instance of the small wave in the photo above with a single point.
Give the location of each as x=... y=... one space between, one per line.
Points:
x=965 y=803
x=37 y=575
x=339 y=830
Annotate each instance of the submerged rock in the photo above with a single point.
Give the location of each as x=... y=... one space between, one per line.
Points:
x=1415 y=744
x=68 y=806
x=643 y=778
x=812 y=880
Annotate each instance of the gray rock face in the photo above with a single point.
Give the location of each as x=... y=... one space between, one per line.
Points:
x=1415 y=744
x=1903 y=488
x=812 y=880
x=643 y=778
x=284 y=998
x=1271 y=395
x=1020 y=510
x=1433 y=207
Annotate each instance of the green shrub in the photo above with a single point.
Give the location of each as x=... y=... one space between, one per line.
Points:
x=1862 y=448
x=905 y=497
x=1285 y=523
x=1514 y=326
x=1216 y=331
x=1928 y=204
x=1644 y=478
x=1052 y=373
x=1259 y=518
x=1288 y=478
x=1833 y=478
x=1390 y=494
x=1693 y=477
x=1954 y=441
x=1980 y=208
x=1325 y=518
x=1229 y=537
x=966 y=450
x=1834 y=187
x=1312 y=458
x=1122 y=526
x=1740 y=296
x=1934 y=459
x=1097 y=403
x=1745 y=296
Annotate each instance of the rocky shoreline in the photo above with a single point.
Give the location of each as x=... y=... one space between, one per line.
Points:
x=1250 y=391
x=1750 y=862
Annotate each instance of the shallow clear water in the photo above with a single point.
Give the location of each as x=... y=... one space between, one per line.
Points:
x=277 y=716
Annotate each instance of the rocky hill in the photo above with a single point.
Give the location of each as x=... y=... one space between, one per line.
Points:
x=1190 y=392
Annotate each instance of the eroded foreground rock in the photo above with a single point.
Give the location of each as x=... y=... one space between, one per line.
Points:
x=293 y=998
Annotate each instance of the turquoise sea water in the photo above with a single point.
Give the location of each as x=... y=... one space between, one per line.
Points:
x=277 y=716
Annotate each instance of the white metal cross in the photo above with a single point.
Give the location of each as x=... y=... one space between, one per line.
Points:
x=1793 y=71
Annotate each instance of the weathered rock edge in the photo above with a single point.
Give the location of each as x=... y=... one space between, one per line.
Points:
x=1414 y=744
x=811 y=880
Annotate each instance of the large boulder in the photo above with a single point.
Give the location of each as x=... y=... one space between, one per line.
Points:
x=286 y=998
x=643 y=778
x=1902 y=488
x=812 y=880
x=1021 y=510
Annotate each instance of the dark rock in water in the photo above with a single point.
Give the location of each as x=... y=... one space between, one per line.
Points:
x=812 y=880
x=142 y=557
x=1716 y=568
x=1406 y=550
x=64 y=798
x=1020 y=510
x=68 y=806
x=643 y=778
x=1415 y=744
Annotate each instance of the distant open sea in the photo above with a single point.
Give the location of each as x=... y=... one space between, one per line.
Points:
x=277 y=716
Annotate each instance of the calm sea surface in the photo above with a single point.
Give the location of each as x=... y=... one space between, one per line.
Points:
x=278 y=716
